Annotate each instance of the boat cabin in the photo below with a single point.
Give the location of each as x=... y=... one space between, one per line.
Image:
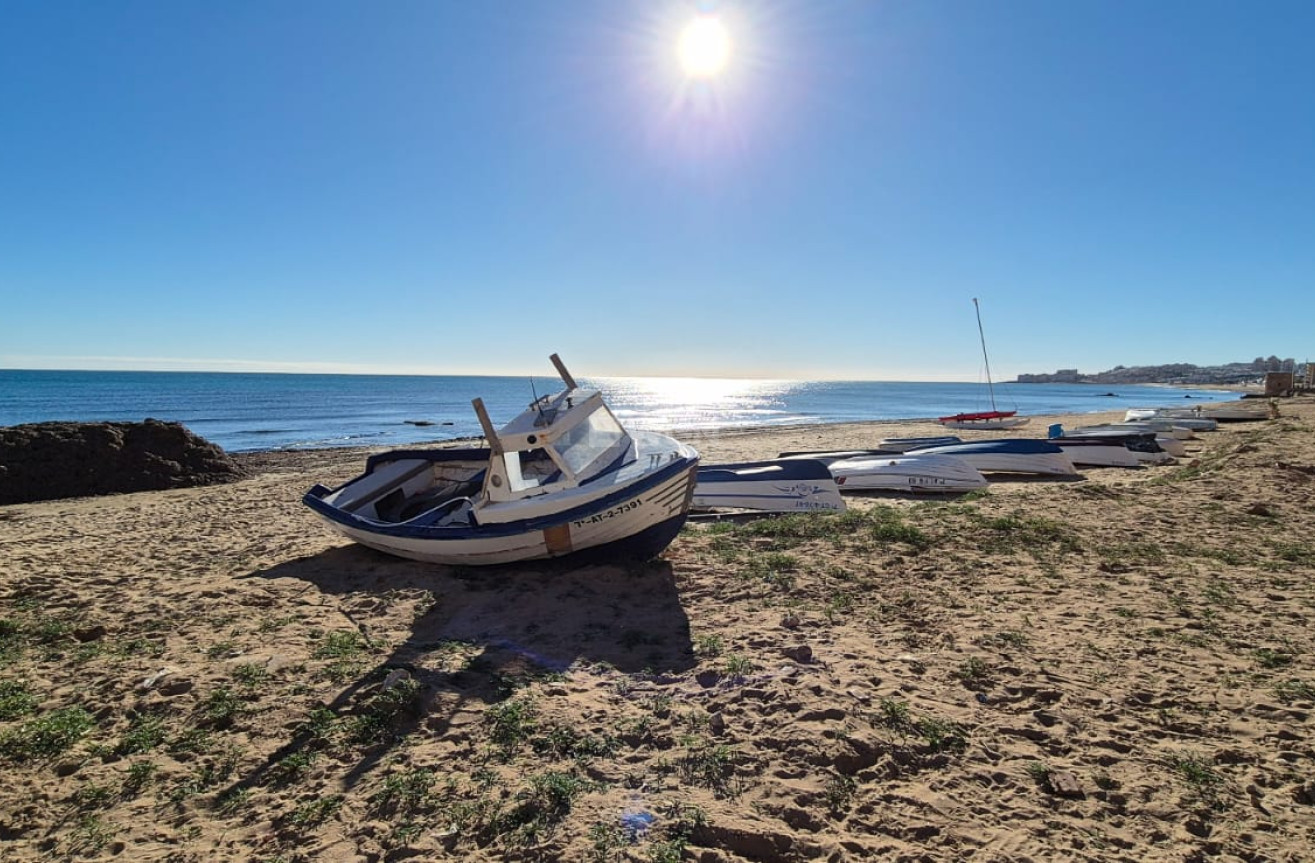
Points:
x=560 y=441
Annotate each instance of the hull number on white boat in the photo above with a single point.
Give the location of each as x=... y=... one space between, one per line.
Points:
x=611 y=513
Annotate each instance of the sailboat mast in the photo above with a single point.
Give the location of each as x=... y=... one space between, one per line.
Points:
x=989 y=385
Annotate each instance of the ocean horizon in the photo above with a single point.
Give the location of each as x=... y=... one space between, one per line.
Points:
x=250 y=411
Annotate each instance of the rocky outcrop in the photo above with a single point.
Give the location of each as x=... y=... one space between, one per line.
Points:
x=45 y=461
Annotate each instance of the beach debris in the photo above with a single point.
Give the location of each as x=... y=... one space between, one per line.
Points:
x=636 y=824
x=150 y=682
x=175 y=686
x=799 y=653
x=914 y=663
x=1065 y=783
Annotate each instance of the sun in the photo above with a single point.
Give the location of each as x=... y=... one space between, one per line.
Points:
x=704 y=47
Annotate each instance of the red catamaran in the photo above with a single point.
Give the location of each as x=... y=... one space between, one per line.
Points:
x=992 y=419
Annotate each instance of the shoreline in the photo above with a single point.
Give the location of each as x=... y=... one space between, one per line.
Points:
x=745 y=443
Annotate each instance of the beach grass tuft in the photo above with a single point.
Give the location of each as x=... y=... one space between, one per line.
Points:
x=45 y=736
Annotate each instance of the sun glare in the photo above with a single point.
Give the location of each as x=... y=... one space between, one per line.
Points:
x=704 y=47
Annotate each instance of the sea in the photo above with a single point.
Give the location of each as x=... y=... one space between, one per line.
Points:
x=246 y=412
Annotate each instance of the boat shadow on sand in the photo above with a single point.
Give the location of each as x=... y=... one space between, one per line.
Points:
x=524 y=622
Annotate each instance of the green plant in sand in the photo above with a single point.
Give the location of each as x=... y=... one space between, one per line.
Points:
x=16 y=700
x=45 y=736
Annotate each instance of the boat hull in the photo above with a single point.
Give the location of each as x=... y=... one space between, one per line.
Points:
x=1095 y=452
x=1021 y=455
x=635 y=520
x=793 y=485
x=1144 y=446
x=1170 y=444
x=991 y=424
x=1185 y=419
x=908 y=473
x=904 y=444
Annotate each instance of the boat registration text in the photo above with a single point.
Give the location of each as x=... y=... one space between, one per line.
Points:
x=611 y=513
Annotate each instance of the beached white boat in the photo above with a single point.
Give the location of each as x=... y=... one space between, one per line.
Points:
x=904 y=444
x=1014 y=455
x=1169 y=442
x=791 y=485
x=1097 y=452
x=1189 y=420
x=988 y=420
x=1160 y=428
x=1145 y=446
x=563 y=477
x=941 y=474
x=828 y=456
x=1233 y=414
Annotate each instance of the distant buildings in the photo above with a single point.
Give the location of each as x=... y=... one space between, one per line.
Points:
x=1172 y=373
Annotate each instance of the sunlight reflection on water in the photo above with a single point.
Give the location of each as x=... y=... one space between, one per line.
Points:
x=700 y=403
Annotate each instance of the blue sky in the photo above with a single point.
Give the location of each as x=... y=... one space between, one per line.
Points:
x=467 y=187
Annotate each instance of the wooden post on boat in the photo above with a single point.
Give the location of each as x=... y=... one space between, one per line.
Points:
x=490 y=433
x=561 y=370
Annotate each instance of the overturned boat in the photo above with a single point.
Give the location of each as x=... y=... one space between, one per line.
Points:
x=563 y=477
x=1186 y=419
x=1012 y=455
x=1168 y=442
x=904 y=444
x=940 y=474
x=1097 y=452
x=793 y=485
x=1146 y=447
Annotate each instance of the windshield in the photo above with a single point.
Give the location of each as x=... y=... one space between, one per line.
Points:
x=588 y=441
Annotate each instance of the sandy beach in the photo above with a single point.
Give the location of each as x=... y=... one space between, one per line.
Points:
x=1115 y=668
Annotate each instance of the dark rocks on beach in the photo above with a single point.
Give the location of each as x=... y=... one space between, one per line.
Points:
x=48 y=461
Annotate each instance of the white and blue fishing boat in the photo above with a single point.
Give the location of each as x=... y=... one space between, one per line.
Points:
x=1013 y=455
x=794 y=485
x=562 y=478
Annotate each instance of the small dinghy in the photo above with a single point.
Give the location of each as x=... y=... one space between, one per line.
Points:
x=561 y=478
x=941 y=474
x=904 y=444
x=1169 y=443
x=1222 y=414
x=1097 y=452
x=1014 y=455
x=827 y=456
x=793 y=485
x=1185 y=419
x=1162 y=428
x=1144 y=446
